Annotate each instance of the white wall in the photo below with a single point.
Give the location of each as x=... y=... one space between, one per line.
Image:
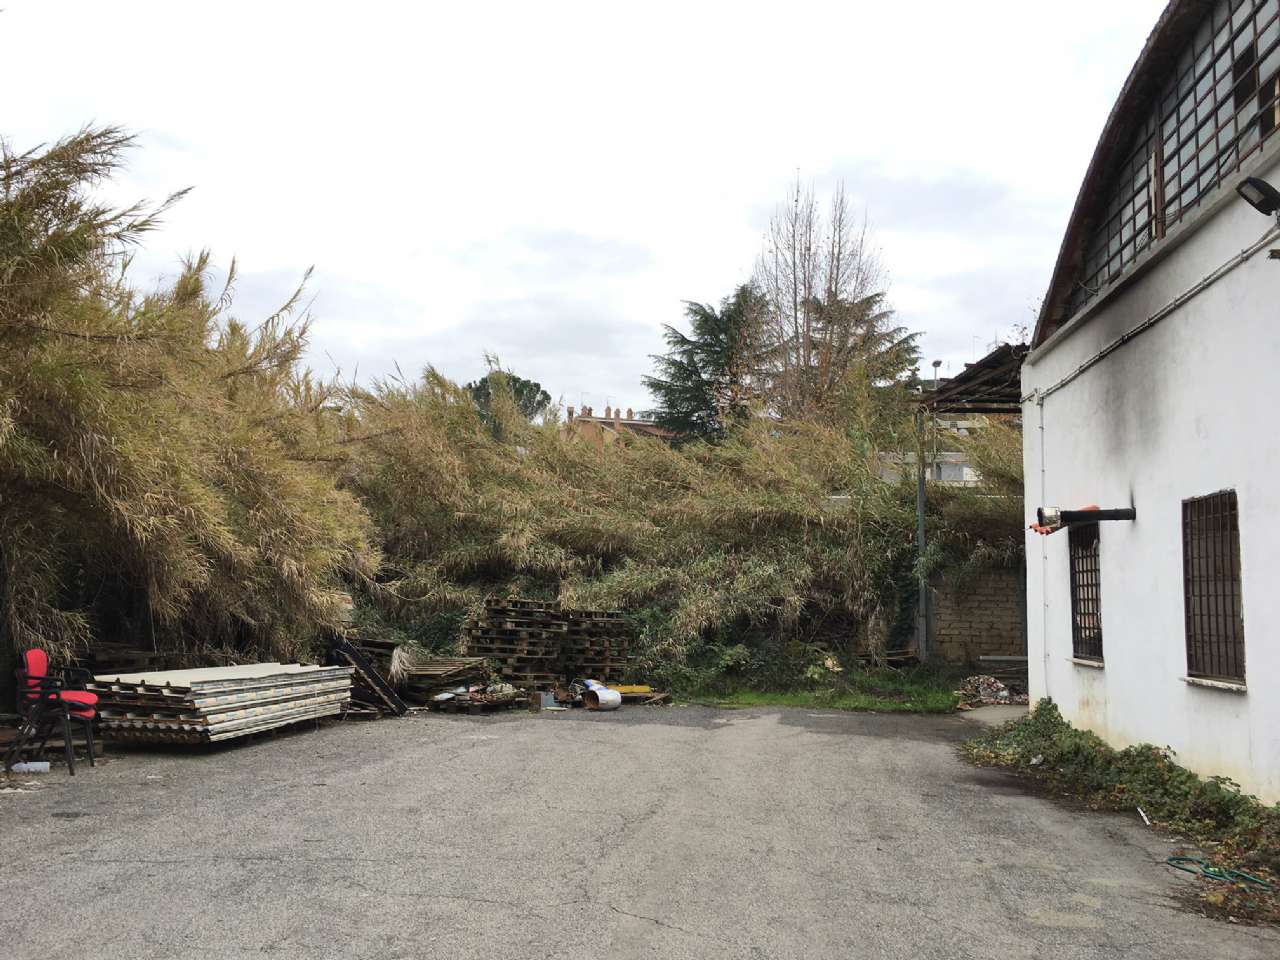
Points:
x=1185 y=409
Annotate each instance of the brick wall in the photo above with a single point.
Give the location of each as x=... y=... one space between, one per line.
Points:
x=983 y=617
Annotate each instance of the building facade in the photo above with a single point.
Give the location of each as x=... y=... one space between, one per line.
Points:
x=1149 y=385
x=602 y=430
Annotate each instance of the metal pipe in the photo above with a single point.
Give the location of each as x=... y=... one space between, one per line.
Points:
x=1044 y=558
x=1053 y=517
x=1194 y=291
x=922 y=598
x=601 y=698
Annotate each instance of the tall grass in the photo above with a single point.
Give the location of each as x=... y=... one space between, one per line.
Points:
x=162 y=472
x=172 y=475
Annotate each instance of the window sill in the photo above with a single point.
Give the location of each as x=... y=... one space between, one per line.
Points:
x=1091 y=664
x=1216 y=684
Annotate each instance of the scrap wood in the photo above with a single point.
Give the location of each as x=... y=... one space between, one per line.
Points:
x=425 y=676
x=480 y=699
x=640 y=693
x=369 y=685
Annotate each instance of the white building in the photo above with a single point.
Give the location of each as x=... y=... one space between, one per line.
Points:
x=1152 y=383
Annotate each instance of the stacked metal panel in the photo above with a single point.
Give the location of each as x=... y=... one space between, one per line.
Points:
x=217 y=703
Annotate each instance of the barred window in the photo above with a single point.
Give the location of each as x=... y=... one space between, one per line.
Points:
x=1086 y=592
x=1213 y=115
x=1212 y=594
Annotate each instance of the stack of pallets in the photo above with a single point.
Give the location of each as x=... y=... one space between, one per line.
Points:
x=521 y=638
x=425 y=676
x=536 y=644
x=597 y=644
x=217 y=703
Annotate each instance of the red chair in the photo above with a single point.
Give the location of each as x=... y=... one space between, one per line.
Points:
x=46 y=702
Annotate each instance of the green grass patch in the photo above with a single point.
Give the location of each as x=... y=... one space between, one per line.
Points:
x=1238 y=830
x=883 y=690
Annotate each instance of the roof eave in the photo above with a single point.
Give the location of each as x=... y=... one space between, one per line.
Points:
x=1175 y=28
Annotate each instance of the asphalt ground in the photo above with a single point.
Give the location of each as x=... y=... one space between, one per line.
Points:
x=680 y=832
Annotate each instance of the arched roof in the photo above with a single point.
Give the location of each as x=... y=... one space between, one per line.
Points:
x=1174 y=31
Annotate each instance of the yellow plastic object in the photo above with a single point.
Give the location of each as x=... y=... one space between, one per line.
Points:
x=631 y=689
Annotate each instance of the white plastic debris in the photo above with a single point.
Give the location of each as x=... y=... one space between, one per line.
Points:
x=31 y=766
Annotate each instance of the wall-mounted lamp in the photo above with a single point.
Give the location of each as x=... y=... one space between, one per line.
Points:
x=1260 y=195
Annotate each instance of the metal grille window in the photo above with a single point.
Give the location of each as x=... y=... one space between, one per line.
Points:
x=1216 y=112
x=1086 y=592
x=1211 y=575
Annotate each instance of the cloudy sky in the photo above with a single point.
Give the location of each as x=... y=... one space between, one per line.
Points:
x=548 y=181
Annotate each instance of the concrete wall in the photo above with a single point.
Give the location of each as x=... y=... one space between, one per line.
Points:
x=981 y=617
x=1185 y=409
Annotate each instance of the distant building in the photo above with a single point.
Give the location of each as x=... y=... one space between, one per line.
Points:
x=1152 y=384
x=606 y=429
x=951 y=468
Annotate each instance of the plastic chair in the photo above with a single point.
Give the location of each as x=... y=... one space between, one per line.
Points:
x=46 y=702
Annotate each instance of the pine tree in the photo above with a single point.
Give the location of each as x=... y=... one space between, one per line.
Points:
x=702 y=382
x=529 y=396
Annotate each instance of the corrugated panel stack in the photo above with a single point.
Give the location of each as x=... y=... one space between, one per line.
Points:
x=217 y=703
x=597 y=644
x=522 y=639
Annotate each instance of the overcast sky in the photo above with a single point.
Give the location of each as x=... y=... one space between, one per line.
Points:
x=548 y=181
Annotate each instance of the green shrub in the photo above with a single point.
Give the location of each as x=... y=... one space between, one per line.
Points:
x=1077 y=762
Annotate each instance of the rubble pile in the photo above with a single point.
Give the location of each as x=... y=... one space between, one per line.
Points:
x=983 y=689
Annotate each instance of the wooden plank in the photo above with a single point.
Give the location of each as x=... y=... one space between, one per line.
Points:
x=370 y=678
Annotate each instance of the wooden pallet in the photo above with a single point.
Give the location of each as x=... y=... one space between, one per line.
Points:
x=371 y=685
x=541 y=643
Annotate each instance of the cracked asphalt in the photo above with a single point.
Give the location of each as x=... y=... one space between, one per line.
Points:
x=679 y=832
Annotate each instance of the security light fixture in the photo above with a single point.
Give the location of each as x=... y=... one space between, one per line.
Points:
x=1260 y=195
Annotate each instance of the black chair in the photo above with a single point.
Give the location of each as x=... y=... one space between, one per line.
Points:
x=47 y=702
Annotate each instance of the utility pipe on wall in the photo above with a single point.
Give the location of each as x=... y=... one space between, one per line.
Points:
x=922 y=599
x=1044 y=558
x=1042 y=394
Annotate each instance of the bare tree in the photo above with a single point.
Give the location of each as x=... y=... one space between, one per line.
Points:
x=826 y=311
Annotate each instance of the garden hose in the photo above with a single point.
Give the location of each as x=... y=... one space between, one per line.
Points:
x=1201 y=867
